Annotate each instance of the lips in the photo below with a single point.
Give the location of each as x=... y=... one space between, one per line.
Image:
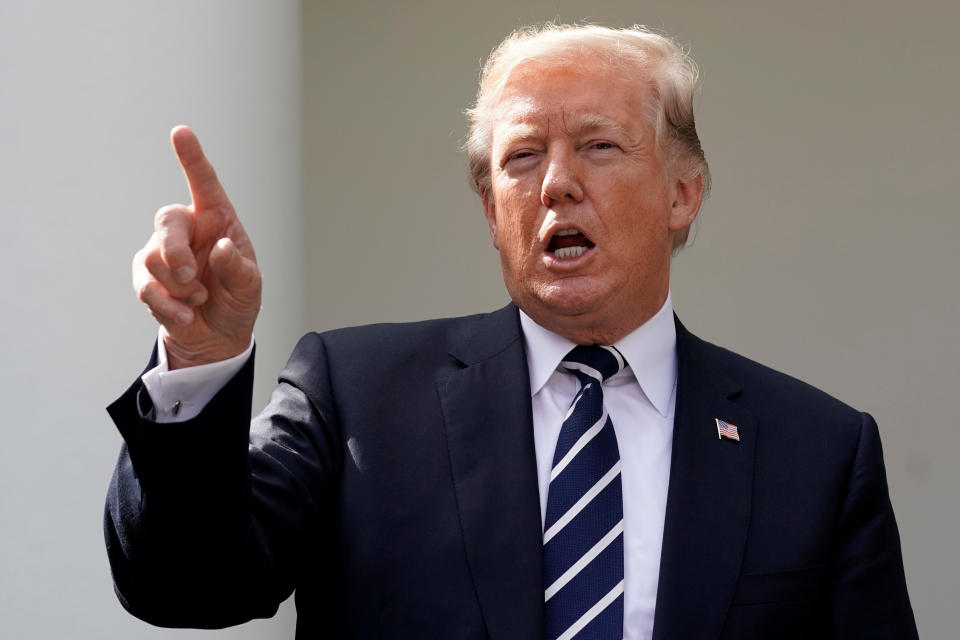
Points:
x=570 y=243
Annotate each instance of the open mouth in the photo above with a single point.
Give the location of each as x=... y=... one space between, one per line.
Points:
x=569 y=243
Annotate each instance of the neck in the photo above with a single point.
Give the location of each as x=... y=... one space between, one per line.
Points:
x=587 y=329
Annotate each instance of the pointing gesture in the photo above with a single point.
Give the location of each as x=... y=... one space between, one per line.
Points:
x=198 y=273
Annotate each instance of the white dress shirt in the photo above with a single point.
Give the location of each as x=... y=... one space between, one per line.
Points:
x=640 y=401
x=181 y=394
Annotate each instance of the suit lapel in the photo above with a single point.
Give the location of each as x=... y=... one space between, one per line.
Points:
x=487 y=414
x=708 y=500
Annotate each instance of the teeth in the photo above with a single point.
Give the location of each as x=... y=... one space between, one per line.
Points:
x=569 y=252
x=567 y=232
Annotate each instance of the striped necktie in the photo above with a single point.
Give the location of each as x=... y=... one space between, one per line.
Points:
x=583 y=529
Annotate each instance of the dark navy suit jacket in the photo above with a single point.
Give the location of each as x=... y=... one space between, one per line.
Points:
x=391 y=482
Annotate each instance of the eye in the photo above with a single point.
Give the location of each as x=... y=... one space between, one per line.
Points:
x=520 y=159
x=602 y=145
x=519 y=155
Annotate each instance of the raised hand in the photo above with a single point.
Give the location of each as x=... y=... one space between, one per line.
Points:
x=198 y=273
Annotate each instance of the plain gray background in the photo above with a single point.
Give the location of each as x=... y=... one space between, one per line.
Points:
x=826 y=249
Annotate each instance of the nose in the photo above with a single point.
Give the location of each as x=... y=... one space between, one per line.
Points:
x=561 y=182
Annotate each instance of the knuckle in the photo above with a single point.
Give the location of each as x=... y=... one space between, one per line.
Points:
x=147 y=292
x=167 y=215
x=153 y=261
x=152 y=294
x=162 y=217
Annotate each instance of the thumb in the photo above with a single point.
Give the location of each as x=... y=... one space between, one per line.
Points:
x=240 y=276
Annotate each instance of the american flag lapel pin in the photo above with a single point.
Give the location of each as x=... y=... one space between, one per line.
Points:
x=727 y=430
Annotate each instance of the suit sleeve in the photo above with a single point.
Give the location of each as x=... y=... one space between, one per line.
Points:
x=207 y=520
x=869 y=594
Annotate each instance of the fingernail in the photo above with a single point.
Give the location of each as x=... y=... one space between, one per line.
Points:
x=197 y=298
x=184 y=274
x=183 y=318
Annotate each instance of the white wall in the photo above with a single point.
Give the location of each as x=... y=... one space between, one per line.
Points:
x=88 y=93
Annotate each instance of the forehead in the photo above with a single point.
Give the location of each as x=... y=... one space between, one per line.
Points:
x=578 y=92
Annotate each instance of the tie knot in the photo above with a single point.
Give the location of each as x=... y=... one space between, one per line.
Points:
x=596 y=361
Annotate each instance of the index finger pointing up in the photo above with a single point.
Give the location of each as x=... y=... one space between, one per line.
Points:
x=205 y=189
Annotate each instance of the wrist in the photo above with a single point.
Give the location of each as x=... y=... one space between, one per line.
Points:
x=181 y=356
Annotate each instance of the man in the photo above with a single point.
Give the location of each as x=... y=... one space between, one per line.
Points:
x=485 y=476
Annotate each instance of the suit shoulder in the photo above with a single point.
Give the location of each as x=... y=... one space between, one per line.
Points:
x=398 y=360
x=763 y=386
x=420 y=346
x=408 y=336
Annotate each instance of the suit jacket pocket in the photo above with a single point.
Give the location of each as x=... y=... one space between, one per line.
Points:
x=781 y=586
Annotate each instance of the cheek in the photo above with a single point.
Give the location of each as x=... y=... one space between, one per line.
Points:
x=516 y=219
x=641 y=234
x=511 y=239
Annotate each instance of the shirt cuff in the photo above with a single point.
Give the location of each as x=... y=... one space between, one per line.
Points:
x=180 y=395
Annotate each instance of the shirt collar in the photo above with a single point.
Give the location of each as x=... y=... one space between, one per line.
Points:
x=650 y=351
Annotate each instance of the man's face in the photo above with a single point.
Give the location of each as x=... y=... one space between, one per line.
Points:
x=580 y=207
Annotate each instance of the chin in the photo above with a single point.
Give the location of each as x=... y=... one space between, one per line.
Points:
x=586 y=313
x=568 y=307
x=577 y=318
x=573 y=296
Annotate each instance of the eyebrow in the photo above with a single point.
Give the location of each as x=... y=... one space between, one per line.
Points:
x=586 y=122
x=577 y=124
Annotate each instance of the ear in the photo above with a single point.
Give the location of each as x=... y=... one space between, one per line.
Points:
x=687 y=197
x=490 y=212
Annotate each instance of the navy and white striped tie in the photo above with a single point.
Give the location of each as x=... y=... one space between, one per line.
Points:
x=583 y=529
